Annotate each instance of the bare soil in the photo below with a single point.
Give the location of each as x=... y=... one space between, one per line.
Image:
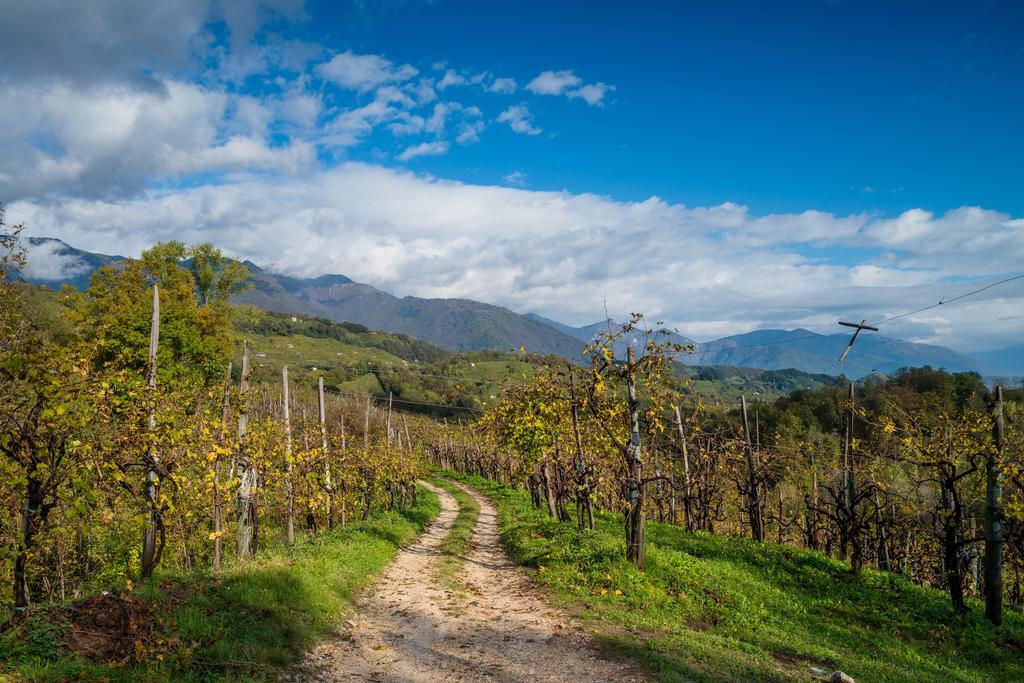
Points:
x=495 y=627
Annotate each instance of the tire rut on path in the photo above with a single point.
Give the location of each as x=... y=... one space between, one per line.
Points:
x=411 y=628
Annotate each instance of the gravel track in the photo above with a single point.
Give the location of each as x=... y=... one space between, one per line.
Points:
x=408 y=627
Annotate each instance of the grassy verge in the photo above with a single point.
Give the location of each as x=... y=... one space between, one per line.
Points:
x=454 y=547
x=247 y=624
x=720 y=608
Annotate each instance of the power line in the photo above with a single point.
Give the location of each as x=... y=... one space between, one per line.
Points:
x=943 y=302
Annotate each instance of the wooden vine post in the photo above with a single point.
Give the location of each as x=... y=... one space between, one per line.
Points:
x=328 y=486
x=686 y=473
x=247 y=519
x=150 y=552
x=753 y=497
x=218 y=504
x=288 y=459
x=993 y=519
x=344 y=451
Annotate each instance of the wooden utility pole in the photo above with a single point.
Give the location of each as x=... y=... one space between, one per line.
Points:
x=754 y=500
x=150 y=555
x=686 y=471
x=218 y=504
x=288 y=459
x=327 y=456
x=850 y=485
x=388 y=428
x=247 y=519
x=994 y=519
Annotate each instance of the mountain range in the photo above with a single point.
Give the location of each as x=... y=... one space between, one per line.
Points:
x=467 y=325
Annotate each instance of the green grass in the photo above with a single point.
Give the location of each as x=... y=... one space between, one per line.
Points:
x=455 y=544
x=723 y=608
x=248 y=624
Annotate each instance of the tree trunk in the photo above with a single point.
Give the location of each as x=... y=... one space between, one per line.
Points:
x=150 y=553
x=29 y=524
x=884 y=561
x=636 y=549
x=952 y=519
x=994 y=521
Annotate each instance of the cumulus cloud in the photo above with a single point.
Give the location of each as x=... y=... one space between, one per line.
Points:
x=567 y=83
x=708 y=270
x=592 y=94
x=502 y=86
x=469 y=131
x=450 y=78
x=111 y=40
x=553 y=82
x=364 y=72
x=110 y=139
x=515 y=178
x=432 y=149
x=48 y=261
x=519 y=118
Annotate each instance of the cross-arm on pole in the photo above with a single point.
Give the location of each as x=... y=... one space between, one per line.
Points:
x=862 y=325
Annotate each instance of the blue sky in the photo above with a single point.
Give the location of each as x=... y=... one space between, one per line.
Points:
x=724 y=166
x=846 y=106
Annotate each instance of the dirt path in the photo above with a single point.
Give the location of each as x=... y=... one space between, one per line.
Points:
x=411 y=628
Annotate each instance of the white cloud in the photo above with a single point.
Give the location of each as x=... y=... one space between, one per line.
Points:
x=104 y=139
x=364 y=72
x=407 y=124
x=300 y=108
x=424 y=90
x=592 y=94
x=433 y=149
x=519 y=118
x=97 y=42
x=711 y=270
x=350 y=127
x=46 y=261
x=502 y=86
x=553 y=82
x=567 y=83
x=436 y=123
x=450 y=78
x=469 y=131
x=515 y=178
